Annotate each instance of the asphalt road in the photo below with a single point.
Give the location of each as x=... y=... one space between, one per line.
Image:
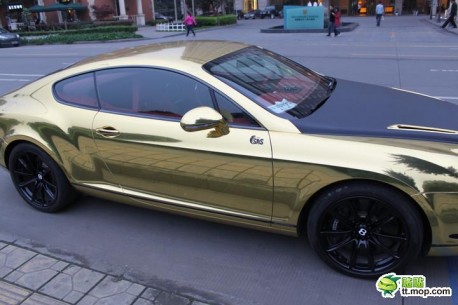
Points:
x=223 y=264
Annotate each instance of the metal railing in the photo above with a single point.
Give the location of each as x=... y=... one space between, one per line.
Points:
x=170 y=27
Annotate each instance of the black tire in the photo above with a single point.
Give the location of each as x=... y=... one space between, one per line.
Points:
x=39 y=180
x=364 y=229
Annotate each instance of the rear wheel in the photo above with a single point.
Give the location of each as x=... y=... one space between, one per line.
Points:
x=39 y=180
x=365 y=230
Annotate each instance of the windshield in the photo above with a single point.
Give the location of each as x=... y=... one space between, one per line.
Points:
x=276 y=83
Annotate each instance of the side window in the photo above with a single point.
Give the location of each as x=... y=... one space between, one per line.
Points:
x=232 y=113
x=150 y=91
x=78 y=90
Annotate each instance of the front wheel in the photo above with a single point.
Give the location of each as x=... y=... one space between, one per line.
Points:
x=39 y=180
x=365 y=230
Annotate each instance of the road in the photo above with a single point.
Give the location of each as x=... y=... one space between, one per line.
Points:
x=218 y=263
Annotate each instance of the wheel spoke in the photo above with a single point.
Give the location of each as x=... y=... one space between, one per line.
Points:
x=401 y=238
x=372 y=210
x=335 y=232
x=383 y=221
x=384 y=248
x=341 y=218
x=353 y=205
x=36 y=191
x=341 y=244
x=27 y=182
x=22 y=172
x=370 y=257
x=354 y=256
x=48 y=189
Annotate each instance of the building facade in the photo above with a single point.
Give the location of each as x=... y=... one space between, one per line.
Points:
x=12 y=12
x=353 y=7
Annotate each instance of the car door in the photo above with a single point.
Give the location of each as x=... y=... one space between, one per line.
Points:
x=138 y=134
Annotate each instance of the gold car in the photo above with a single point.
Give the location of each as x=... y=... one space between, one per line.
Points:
x=234 y=133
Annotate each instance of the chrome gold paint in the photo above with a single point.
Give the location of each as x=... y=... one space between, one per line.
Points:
x=159 y=158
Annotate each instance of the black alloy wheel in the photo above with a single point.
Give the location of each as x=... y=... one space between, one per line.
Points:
x=365 y=230
x=39 y=180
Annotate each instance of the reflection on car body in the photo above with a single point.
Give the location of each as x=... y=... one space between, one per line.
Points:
x=238 y=134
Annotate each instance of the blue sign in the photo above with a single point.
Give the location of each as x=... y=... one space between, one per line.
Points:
x=303 y=17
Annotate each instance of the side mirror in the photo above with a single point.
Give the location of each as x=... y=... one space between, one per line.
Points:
x=204 y=118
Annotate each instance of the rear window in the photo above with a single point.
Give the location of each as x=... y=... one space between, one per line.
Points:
x=77 y=90
x=278 y=84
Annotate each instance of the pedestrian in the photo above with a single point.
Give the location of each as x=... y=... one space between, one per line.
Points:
x=332 y=22
x=338 y=17
x=379 y=11
x=452 y=15
x=190 y=22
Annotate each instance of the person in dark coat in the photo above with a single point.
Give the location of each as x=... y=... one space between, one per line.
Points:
x=451 y=17
x=332 y=22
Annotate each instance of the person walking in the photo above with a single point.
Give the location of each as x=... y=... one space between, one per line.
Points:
x=190 y=22
x=337 y=17
x=379 y=11
x=332 y=22
x=452 y=15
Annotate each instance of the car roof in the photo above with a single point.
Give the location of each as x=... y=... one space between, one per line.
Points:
x=167 y=54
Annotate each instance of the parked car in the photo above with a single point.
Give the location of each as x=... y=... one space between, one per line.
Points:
x=234 y=133
x=158 y=16
x=271 y=11
x=253 y=14
x=8 y=39
x=239 y=14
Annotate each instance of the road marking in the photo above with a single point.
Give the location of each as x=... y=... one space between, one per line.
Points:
x=14 y=80
x=447 y=97
x=443 y=70
x=381 y=55
x=33 y=75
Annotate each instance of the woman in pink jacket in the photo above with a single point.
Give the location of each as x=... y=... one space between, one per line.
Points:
x=190 y=22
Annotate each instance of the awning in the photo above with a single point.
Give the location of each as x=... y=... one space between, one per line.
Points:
x=37 y=9
x=57 y=7
x=63 y=7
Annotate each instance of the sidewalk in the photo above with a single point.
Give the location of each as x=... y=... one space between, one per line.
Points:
x=439 y=23
x=28 y=277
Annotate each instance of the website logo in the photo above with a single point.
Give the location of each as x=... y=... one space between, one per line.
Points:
x=408 y=286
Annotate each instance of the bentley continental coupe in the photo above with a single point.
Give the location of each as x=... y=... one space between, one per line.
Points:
x=238 y=134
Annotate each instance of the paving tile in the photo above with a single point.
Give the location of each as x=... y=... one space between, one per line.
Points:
x=35 y=273
x=11 y=294
x=12 y=257
x=112 y=290
x=143 y=302
x=72 y=284
x=38 y=299
x=166 y=298
x=150 y=294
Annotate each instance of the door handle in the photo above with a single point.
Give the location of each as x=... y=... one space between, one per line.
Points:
x=107 y=132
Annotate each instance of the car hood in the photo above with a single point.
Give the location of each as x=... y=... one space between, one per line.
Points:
x=359 y=109
x=8 y=35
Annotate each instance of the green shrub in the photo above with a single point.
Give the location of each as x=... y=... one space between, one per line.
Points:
x=85 y=30
x=216 y=20
x=65 y=38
